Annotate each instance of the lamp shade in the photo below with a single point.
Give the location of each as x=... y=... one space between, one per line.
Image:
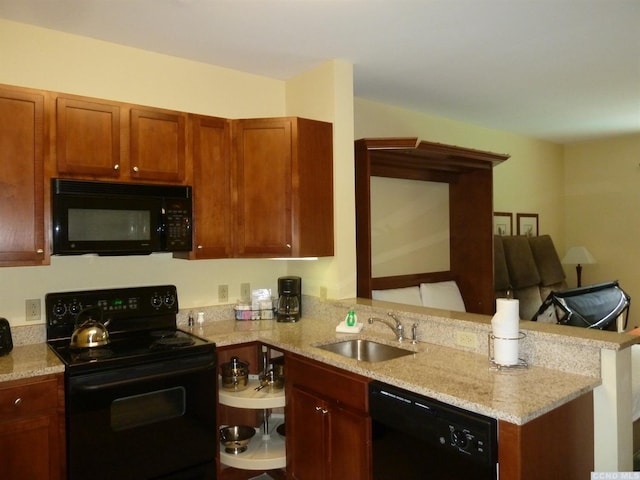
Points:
x=578 y=255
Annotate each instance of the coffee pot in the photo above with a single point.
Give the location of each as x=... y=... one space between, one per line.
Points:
x=289 y=299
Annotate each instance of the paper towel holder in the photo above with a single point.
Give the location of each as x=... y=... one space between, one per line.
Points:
x=497 y=366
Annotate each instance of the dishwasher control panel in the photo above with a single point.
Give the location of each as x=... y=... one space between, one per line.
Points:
x=434 y=423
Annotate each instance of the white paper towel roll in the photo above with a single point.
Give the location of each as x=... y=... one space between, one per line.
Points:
x=505 y=326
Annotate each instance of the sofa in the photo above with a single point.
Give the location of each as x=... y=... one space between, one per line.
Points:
x=528 y=269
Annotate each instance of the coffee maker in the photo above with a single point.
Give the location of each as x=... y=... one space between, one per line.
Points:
x=289 y=299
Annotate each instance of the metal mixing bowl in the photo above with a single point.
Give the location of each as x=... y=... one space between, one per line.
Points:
x=235 y=438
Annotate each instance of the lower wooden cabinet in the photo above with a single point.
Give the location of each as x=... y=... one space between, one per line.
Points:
x=328 y=426
x=558 y=444
x=32 y=440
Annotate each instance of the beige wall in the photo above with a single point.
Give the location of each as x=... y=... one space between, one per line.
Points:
x=603 y=211
x=45 y=59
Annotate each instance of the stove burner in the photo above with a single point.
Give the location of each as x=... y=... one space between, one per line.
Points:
x=170 y=342
x=163 y=333
x=89 y=354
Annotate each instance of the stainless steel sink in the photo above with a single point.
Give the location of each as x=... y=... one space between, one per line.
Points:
x=365 y=350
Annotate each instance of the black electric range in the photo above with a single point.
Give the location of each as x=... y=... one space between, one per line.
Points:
x=141 y=322
x=150 y=388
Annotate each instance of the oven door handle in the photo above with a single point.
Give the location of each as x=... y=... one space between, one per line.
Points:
x=120 y=378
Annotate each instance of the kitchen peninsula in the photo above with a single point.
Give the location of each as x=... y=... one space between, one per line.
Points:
x=564 y=368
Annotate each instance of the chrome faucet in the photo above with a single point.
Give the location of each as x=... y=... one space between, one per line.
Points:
x=398 y=329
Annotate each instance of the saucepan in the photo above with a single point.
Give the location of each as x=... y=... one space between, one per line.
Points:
x=235 y=375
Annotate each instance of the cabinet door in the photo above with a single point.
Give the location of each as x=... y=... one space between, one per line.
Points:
x=87 y=138
x=157 y=145
x=22 y=151
x=32 y=429
x=349 y=444
x=19 y=442
x=211 y=187
x=306 y=427
x=263 y=180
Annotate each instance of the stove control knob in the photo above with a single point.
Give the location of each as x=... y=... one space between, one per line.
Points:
x=59 y=309
x=156 y=301
x=75 y=308
x=169 y=299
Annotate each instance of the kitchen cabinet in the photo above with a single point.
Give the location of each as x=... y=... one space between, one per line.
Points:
x=211 y=180
x=32 y=440
x=23 y=148
x=158 y=142
x=283 y=179
x=328 y=426
x=99 y=139
x=87 y=138
x=562 y=437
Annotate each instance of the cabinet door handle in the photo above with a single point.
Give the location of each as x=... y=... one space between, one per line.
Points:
x=17 y=402
x=116 y=166
x=39 y=250
x=136 y=169
x=199 y=247
x=288 y=245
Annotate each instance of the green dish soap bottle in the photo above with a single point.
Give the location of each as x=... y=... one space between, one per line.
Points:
x=351 y=318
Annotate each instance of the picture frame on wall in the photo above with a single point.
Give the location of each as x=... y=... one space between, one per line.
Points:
x=502 y=223
x=527 y=224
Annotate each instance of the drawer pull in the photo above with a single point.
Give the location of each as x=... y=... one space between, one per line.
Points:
x=18 y=401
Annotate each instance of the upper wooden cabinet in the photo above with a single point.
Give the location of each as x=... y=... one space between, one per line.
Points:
x=115 y=141
x=211 y=179
x=23 y=147
x=283 y=177
x=87 y=138
x=158 y=140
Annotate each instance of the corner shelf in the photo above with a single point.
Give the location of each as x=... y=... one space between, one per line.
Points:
x=266 y=451
x=250 y=398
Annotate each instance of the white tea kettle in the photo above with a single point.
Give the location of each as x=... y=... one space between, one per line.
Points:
x=90 y=332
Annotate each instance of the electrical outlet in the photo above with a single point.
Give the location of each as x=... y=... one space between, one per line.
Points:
x=323 y=293
x=32 y=310
x=245 y=292
x=223 y=293
x=467 y=339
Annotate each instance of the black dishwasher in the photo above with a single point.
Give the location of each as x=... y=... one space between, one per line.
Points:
x=419 y=438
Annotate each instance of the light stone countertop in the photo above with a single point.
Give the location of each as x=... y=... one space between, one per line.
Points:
x=564 y=361
x=457 y=377
x=27 y=361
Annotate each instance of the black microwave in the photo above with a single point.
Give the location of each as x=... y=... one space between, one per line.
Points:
x=119 y=218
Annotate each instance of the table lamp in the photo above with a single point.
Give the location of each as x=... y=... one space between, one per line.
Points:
x=578 y=256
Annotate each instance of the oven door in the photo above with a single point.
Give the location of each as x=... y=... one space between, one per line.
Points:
x=149 y=421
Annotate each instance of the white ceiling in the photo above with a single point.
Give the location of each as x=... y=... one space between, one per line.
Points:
x=561 y=70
